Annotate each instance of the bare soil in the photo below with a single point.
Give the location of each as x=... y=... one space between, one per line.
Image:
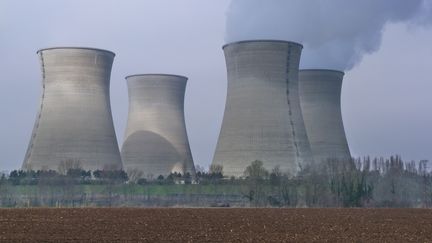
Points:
x=215 y=225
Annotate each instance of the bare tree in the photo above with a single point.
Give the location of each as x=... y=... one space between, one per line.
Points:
x=134 y=175
x=256 y=170
x=256 y=175
x=69 y=164
x=199 y=168
x=216 y=169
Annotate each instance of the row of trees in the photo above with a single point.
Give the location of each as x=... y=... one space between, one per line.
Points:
x=80 y=176
x=351 y=183
x=74 y=176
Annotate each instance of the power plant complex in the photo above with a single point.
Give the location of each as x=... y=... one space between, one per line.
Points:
x=74 y=121
x=274 y=113
x=156 y=141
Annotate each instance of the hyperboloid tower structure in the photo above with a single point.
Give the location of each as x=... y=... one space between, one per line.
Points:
x=156 y=141
x=320 y=96
x=74 y=121
x=263 y=119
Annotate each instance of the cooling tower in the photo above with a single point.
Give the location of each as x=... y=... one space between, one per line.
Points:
x=74 y=121
x=320 y=94
x=262 y=119
x=156 y=142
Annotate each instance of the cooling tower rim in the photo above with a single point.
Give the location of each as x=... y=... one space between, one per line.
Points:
x=75 y=48
x=321 y=70
x=157 y=75
x=262 y=40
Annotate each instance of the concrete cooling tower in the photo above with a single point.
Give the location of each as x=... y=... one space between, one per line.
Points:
x=320 y=94
x=74 y=121
x=263 y=119
x=156 y=142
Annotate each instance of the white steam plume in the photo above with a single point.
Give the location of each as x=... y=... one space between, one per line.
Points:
x=335 y=33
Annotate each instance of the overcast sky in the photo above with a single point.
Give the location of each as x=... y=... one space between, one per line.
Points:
x=386 y=101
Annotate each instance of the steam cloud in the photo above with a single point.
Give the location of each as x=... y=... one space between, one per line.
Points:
x=335 y=33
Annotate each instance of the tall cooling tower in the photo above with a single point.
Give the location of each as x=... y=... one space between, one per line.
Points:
x=156 y=142
x=320 y=94
x=262 y=119
x=74 y=121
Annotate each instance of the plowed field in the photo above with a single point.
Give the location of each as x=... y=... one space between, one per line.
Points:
x=215 y=225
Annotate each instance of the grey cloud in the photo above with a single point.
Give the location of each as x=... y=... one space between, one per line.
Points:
x=336 y=34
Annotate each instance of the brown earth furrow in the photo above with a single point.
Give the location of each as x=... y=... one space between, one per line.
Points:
x=215 y=225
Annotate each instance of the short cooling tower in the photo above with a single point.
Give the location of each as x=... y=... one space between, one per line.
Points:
x=74 y=121
x=156 y=142
x=320 y=95
x=263 y=119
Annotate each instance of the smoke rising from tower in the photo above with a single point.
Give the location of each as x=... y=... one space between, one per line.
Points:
x=336 y=34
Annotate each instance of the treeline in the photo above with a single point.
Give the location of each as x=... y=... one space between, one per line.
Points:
x=350 y=183
x=353 y=183
x=101 y=177
x=72 y=176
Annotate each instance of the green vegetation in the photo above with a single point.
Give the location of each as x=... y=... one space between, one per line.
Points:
x=354 y=183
